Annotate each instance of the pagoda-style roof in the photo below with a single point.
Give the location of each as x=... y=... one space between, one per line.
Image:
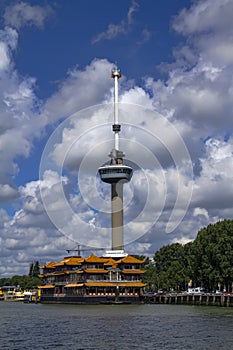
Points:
x=50 y=265
x=110 y=262
x=129 y=259
x=95 y=259
x=72 y=260
x=78 y=261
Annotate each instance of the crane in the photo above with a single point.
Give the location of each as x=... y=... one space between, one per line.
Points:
x=78 y=249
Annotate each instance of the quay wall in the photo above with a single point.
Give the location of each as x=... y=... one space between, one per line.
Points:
x=190 y=299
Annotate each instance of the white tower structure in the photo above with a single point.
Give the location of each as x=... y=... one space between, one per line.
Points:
x=116 y=174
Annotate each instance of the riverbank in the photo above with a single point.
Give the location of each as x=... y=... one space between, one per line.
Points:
x=190 y=299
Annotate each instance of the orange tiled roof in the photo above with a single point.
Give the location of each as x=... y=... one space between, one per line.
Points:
x=49 y=265
x=70 y=261
x=95 y=259
x=129 y=259
x=75 y=261
x=110 y=262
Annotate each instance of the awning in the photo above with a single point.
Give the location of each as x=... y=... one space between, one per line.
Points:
x=46 y=286
x=133 y=272
x=73 y=285
x=115 y=284
x=95 y=271
x=132 y=284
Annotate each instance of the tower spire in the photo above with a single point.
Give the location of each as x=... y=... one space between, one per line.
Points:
x=116 y=74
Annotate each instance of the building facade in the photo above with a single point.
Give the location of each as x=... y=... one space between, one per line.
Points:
x=93 y=280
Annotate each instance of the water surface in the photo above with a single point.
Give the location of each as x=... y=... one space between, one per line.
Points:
x=115 y=327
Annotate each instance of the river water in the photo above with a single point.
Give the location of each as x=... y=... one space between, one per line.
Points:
x=114 y=327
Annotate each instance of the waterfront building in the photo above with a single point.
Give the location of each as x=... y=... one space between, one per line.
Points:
x=93 y=280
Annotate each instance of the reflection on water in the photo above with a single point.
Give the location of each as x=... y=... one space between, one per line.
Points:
x=115 y=327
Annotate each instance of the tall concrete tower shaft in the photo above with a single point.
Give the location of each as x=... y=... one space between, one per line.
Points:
x=116 y=174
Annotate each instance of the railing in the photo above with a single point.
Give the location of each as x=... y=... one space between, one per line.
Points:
x=90 y=280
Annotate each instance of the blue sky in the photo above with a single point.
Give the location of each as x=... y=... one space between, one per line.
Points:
x=71 y=37
x=56 y=103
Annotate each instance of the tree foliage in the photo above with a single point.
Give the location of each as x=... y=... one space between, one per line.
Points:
x=34 y=269
x=25 y=282
x=205 y=262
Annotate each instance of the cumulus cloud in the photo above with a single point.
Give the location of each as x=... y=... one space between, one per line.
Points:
x=79 y=90
x=19 y=109
x=211 y=37
x=213 y=188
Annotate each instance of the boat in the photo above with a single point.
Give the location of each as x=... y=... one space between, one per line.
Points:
x=14 y=295
x=31 y=296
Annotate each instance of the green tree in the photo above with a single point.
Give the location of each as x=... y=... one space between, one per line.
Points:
x=170 y=267
x=213 y=252
x=34 y=269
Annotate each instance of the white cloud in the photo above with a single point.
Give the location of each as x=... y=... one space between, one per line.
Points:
x=22 y=14
x=7 y=193
x=18 y=106
x=201 y=211
x=79 y=90
x=8 y=42
x=123 y=27
x=216 y=14
x=213 y=188
x=208 y=26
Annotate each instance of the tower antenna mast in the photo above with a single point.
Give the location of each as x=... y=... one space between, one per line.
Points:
x=116 y=74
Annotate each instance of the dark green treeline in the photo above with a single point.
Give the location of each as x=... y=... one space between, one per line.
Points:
x=206 y=262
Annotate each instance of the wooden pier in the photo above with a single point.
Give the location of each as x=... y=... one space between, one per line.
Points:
x=189 y=299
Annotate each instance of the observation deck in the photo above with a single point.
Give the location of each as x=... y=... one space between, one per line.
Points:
x=115 y=173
